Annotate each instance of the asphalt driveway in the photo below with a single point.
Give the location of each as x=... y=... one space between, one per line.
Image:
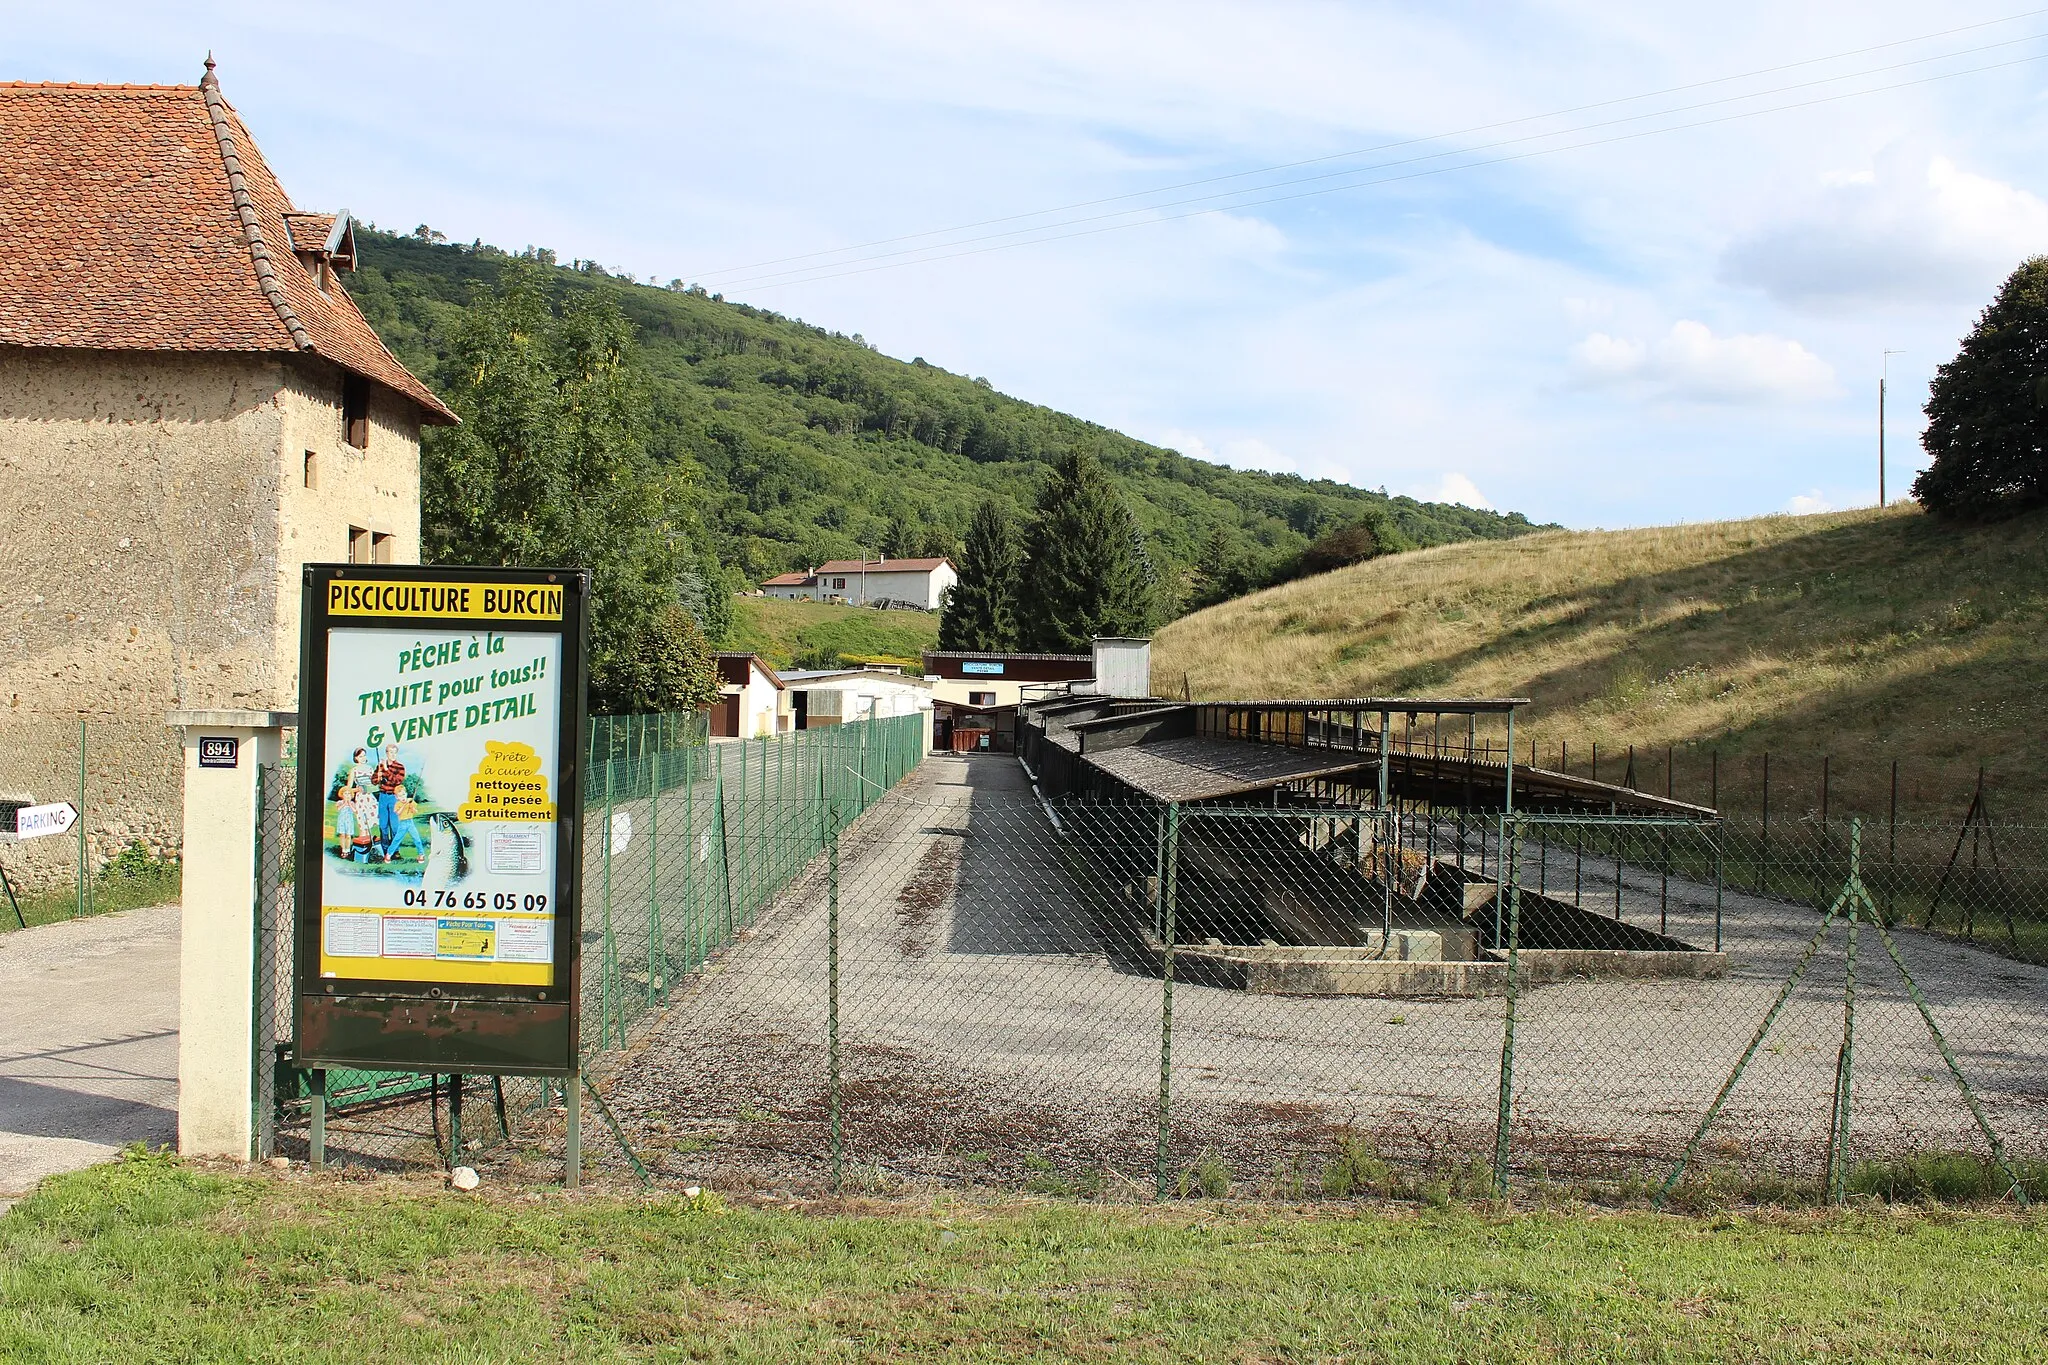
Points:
x=88 y=1042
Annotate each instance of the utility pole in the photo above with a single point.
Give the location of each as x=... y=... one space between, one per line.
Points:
x=1883 y=374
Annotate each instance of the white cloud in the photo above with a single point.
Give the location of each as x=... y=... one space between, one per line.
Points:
x=1690 y=362
x=1913 y=228
x=1455 y=487
x=1239 y=452
x=1382 y=335
x=1807 y=503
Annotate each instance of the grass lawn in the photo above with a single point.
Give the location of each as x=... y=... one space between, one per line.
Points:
x=803 y=634
x=148 y=1260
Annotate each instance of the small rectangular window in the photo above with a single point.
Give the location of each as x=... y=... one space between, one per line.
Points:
x=312 y=469
x=981 y=699
x=382 y=547
x=355 y=411
x=838 y=582
x=358 y=545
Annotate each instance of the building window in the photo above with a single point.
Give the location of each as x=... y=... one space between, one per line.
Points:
x=359 y=547
x=312 y=469
x=382 y=547
x=981 y=699
x=355 y=411
x=838 y=582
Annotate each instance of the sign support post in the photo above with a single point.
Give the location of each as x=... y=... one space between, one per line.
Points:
x=572 y=1157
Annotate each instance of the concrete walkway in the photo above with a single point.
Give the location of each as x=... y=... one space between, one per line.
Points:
x=88 y=1042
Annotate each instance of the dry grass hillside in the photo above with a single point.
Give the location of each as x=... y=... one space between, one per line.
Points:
x=1863 y=636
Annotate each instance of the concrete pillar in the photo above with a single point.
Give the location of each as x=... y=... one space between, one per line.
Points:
x=216 y=960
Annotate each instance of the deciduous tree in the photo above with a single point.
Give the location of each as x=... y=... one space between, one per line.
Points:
x=1987 y=410
x=548 y=468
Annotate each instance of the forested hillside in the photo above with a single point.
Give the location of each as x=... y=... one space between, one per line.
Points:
x=810 y=444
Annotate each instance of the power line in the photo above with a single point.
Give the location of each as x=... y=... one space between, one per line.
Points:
x=833 y=274
x=729 y=271
x=1050 y=232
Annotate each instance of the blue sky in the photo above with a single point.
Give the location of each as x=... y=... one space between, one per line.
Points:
x=1674 y=327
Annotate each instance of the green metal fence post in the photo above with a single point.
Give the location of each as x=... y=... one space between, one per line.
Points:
x=572 y=1123
x=84 y=881
x=1845 y=1060
x=832 y=998
x=1503 y=1118
x=1159 y=876
x=693 y=926
x=455 y=1088
x=1167 y=897
x=719 y=817
x=604 y=957
x=657 y=950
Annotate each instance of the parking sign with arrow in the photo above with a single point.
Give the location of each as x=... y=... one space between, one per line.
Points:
x=34 y=822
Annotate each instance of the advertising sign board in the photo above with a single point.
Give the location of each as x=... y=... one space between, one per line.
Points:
x=439 y=818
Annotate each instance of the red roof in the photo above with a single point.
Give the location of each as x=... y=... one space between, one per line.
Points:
x=143 y=217
x=844 y=566
x=787 y=580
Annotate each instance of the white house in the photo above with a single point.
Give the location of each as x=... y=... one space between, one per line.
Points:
x=751 y=703
x=869 y=582
x=821 y=698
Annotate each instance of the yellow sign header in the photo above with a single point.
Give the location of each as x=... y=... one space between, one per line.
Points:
x=439 y=601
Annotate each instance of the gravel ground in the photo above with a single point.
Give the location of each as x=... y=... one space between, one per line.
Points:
x=994 y=1025
x=88 y=1042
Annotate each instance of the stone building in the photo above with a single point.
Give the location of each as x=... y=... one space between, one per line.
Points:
x=191 y=407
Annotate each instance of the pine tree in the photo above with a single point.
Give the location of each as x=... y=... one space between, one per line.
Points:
x=1086 y=571
x=980 y=608
x=1987 y=410
x=900 y=540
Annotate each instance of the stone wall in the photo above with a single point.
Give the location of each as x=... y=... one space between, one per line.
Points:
x=377 y=489
x=150 y=544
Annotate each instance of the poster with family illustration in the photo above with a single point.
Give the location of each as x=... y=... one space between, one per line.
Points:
x=438 y=835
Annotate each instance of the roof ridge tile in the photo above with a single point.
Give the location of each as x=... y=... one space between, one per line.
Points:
x=245 y=209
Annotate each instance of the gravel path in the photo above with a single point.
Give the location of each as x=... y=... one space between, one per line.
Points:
x=993 y=1023
x=88 y=1042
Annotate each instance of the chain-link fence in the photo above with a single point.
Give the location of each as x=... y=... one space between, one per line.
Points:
x=121 y=775
x=686 y=843
x=928 y=976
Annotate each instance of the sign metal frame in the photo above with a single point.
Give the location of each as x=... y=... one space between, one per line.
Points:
x=432 y=1025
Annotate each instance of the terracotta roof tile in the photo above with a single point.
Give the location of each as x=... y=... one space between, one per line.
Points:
x=119 y=231
x=309 y=230
x=844 y=566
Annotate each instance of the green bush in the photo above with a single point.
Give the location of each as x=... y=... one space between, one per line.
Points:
x=137 y=862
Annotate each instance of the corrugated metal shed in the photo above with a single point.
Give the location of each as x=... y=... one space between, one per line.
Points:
x=1196 y=769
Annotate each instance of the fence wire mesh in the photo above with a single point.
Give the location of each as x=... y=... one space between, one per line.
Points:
x=685 y=844
x=120 y=775
x=924 y=975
